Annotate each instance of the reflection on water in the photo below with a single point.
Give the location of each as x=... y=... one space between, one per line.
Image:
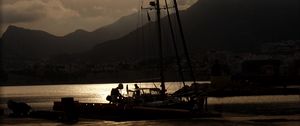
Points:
x=45 y=95
x=42 y=97
x=256 y=99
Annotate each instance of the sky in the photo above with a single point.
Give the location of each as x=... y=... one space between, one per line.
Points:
x=60 y=17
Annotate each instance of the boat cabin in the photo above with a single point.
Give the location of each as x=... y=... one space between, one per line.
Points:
x=145 y=94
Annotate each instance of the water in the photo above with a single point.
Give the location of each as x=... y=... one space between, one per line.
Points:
x=46 y=94
x=42 y=97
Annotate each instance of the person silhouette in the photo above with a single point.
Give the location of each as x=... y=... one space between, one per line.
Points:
x=137 y=91
x=116 y=96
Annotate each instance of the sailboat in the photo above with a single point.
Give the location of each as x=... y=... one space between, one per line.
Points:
x=156 y=104
x=186 y=101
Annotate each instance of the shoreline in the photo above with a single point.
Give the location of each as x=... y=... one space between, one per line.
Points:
x=40 y=83
x=82 y=83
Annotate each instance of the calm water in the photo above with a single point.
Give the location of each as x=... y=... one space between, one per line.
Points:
x=42 y=97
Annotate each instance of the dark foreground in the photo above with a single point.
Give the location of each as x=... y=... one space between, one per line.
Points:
x=227 y=120
x=266 y=114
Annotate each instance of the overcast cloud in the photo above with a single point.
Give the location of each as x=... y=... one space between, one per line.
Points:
x=60 y=17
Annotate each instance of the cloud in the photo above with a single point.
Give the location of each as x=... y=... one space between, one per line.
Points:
x=105 y=8
x=184 y=4
x=23 y=11
x=61 y=17
x=56 y=10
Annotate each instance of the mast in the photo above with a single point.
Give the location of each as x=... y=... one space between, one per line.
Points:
x=174 y=44
x=2 y=73
x=161 y=62
x=184 y=42
x=156 y=6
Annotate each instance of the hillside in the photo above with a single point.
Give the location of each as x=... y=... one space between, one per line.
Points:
x=232 y=25
x=120 y=52
x=21 y=43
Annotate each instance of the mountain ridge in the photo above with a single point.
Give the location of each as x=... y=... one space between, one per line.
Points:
x=74 y=42
x=208 y=24
x=231 y=25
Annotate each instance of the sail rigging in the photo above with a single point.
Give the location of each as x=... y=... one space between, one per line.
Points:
x=187 y=56
x=156 y=5
x=174 y=44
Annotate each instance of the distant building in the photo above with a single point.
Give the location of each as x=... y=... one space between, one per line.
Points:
x=262 y=72
x=285 y=47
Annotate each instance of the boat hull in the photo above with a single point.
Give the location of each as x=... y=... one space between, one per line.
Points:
x=119 y=112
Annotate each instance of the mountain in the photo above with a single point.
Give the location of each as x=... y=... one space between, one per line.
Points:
x=81 y=40
x=241 y=25
x=21 y=43
x=232 y=25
